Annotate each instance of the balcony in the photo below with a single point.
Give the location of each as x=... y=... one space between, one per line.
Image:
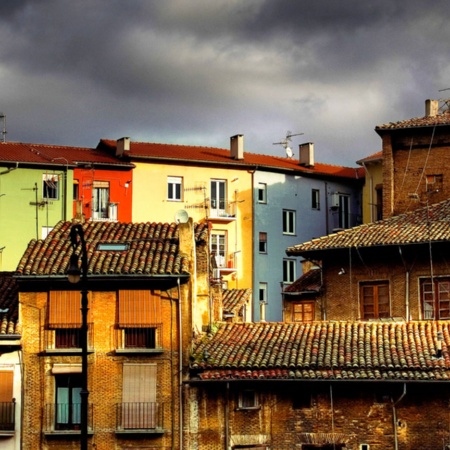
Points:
x=139 y=339
x=106 y=214
x=7 y=415
x=64 y=419
x=139 y=418
x=223 y=214
x=67 y=339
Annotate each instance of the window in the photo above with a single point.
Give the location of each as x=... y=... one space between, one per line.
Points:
x=68 y=401
x=435 y=298
x=218 y=199
x=76 y=189
x=288 y=221
x=7 y=403
x=100 y=200
x=344 y=211
x=263 y=292
x=139 y=409
x=375 y=300
x=262 y=193
x=219 y=247
x=303 y=312
x=50 y=186
x=288 y=270
x=434 y=183
x=248 y=399
x=64 y=320
x=262 y=242
x=139 y=320
x=174 y=186
x=315 y=199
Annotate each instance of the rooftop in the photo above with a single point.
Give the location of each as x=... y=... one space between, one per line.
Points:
x=9 y=304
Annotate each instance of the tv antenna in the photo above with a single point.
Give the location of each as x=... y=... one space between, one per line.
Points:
x=3 y=119
x=285 y=143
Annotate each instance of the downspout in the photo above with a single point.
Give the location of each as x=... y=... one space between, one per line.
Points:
x=394 y=415
x=227 y=416
x=327 y=220
x=180 y=367
x=407 y=273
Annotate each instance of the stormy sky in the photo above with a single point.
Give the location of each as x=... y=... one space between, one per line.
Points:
x=199 y=71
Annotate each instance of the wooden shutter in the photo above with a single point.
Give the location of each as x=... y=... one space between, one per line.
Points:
x=139 y=408
x=6 y=385
x=65 y=309
x=139 y=308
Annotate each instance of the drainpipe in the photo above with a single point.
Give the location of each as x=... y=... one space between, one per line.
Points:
x=327 y=224
x=180 y=367
x=394 y=415
x=227 y=416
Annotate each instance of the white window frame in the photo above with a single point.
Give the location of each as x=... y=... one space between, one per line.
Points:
x=174 y=189
x=289 y=271
x=289 y=221
x=218 y=247
x=218 y=198
x=50 y=186
x=262 y=243
x=100 y=199
x=262 y=193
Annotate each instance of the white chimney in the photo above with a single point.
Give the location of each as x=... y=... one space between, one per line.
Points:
x=237 y=146
x=122 y=145
x=307 y=154
x=431 y=108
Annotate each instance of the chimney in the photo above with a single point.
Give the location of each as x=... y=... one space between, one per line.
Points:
x=237 y=146
x=122 y=145
x=307 y=154
x=431 y=108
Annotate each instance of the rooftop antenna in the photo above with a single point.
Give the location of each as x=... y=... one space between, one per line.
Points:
x=3 y=117
x=285 y=143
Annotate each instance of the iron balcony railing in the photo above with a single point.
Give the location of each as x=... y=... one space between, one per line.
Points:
x=7 y=414
x=65 y=417
x=133 y=416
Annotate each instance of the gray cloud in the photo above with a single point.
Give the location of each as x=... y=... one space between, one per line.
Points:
x=198 y=72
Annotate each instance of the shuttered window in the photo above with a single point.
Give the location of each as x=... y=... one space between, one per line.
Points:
x=139 y=408
x=139 y=309
x=375 y=300
x=6 y=385
x=65 y=309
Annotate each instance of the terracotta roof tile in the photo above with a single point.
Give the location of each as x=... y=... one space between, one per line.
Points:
x=411 y=228
x=324 y=350
x=9 y=304
x=308 y=282
x=57 y=155
x=211 y=155
x=234 y=299
x=417 y=122
x=153 y=250
x=378 y=156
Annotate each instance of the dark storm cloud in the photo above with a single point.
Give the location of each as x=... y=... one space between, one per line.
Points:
x=197 y=71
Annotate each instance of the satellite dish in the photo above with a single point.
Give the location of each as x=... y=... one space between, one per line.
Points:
x=289 y=152
x=181 y=216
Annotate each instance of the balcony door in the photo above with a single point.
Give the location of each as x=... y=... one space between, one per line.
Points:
x=218 y=198
x=100 y=200
x=68 y=401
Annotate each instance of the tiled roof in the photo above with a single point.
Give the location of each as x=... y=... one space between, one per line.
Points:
x=324 y=351
x=308 y=282
x=234 y=299
x=417 y=122
x=153 y=250
x=415 y=227
x=9 y=304
x=378 y=156
x=220 y=156
x=55 y=155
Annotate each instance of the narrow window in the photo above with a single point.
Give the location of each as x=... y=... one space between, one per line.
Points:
x=375 y=300
x=288 y=270
x=288 y=221
x=7 y=403
x=315 y=199
x=174 y=188
x=263 y=292
x=50 y=186
x=435 y=298
x=218 y=199
x=248 y=399
x=262 y=193
x=100 y=200
x=219 y=247
x=262 y=242
x=344 y=211
x=68 y=401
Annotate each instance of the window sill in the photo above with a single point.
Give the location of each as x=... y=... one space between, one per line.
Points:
x=124 y=351
x=249 y=408
x=139 y=431
x=66 y=351
x=63 y=433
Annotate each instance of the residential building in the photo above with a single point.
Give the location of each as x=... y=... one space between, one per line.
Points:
x=415 y=156
x=256 y=206
x=43 y=184
x=10 y=365
x=140 y=281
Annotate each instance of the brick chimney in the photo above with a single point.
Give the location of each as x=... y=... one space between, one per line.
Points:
x=122 y=145
x=431 y=108
x=237 y=146
x=306 y=151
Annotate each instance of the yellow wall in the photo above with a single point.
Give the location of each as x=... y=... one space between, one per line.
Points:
x=374 y=177
x=150 y=203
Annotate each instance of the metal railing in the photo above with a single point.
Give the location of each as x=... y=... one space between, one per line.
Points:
x=146 y=416
x=7 y=414
x=65 y=417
